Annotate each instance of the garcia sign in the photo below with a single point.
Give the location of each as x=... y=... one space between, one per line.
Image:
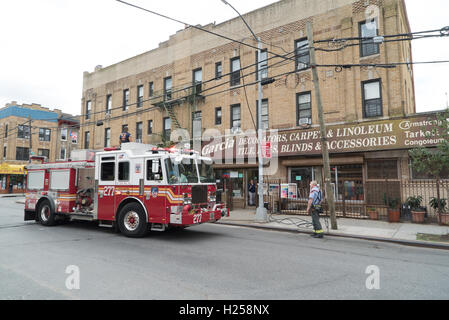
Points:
x=403 y=133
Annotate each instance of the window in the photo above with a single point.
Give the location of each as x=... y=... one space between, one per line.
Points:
x=368 y=47
x=4 y=153
x=62 y=153
x=139 y=129
x=108 y=104
x=264 y=113
x=6 y=130
x=197 y=79
x=235 y=71
x=150 y=126
x=139 y=96
x=218 y=116
x=22 y=154
x=235 y=118
x=23 y=132
x=302 y=57
x=151 y=89
x=196 y=125
x=43 y=153
x=372 y=99
x=167 y=128
x=125 y=99
x=123 y=171
x=168 y=88
x=382 y=169
x=154 y=176
x=88 y=109
x=86 y=139
x=107 y=137
x=63 y=134
x=107 y=171
x=44 y=134
x=304 y=109
x=263 y=64
x=218 y=70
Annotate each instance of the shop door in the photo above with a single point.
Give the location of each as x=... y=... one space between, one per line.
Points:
x=252 y=174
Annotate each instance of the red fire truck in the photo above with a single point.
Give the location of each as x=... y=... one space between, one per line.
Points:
x=133 y=188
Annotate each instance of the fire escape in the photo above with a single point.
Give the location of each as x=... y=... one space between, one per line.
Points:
x=176 y=97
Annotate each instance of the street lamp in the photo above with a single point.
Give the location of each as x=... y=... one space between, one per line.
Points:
x=261 y=213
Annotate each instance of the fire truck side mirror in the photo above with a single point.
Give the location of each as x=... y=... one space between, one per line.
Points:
x=155 y=166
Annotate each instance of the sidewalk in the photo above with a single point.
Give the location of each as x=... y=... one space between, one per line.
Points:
x=405 y=233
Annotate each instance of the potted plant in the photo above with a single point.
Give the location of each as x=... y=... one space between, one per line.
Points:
x=440 y=206
x=394 y=214
x=418 y=212
x=372 y=212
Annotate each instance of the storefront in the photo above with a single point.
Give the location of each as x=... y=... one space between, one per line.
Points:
x=234 y=182
x=364 y=158
x=12 y=178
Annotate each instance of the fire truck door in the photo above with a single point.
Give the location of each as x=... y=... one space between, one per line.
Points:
x=155 y=192
x=106 y=188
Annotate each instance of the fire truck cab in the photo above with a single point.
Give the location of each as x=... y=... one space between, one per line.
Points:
x=134 y=188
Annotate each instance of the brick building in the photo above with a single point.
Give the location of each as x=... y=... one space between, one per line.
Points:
x=50 y=136
x=198 y=81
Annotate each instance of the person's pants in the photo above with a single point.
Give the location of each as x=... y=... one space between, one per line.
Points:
x=316 y=221
x=252 y=196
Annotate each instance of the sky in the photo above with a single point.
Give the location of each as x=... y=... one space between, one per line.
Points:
x=46 y=45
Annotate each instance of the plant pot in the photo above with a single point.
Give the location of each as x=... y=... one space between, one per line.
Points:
x=373 y=214
x=444 y=218
x=418 y=216
x=394 y=215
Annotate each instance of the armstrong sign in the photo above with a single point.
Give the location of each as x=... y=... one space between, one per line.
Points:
x=403 y=133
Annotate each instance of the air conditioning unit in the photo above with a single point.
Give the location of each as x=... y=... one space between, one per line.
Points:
x=304 y=121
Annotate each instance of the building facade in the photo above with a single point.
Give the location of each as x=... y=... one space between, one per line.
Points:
x=30 y=129
x=198 y=81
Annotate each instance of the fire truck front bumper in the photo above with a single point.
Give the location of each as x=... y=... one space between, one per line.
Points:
x=188 y=215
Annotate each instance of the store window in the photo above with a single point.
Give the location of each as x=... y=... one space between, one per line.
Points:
x=382 y=169
x=347 y=181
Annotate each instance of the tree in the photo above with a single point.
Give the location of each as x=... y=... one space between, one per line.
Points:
x=436 y=160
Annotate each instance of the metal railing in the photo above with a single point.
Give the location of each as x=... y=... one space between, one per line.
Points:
x=354 y=199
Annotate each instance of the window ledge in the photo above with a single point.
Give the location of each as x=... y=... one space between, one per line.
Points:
x=373 y=56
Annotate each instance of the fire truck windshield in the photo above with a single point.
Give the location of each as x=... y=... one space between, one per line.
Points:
x=181 y=171
x=206 y=172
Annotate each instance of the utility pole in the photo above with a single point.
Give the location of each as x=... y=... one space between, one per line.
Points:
x=325 y=150
x=261 y=212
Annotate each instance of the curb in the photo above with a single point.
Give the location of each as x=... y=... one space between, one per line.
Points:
x=409 y=243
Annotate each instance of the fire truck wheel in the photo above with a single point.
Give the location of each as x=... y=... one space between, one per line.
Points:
x=132 y=221
x=46 y=214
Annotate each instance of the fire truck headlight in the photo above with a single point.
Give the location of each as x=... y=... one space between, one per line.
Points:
x=212 y=196
x=187 y=198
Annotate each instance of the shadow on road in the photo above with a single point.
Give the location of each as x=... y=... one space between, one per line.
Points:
x=190 y=234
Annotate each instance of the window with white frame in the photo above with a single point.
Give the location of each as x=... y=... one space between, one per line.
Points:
x=372 y=98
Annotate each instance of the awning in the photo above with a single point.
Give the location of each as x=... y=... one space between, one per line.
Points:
x=6 y=168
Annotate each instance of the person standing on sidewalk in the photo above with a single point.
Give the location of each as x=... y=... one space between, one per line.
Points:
x=252 y=192
x=314 y=208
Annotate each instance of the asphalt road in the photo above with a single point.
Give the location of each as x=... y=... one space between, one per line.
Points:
x=209 y=261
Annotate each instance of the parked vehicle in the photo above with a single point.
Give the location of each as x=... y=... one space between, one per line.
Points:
x=133 y=188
